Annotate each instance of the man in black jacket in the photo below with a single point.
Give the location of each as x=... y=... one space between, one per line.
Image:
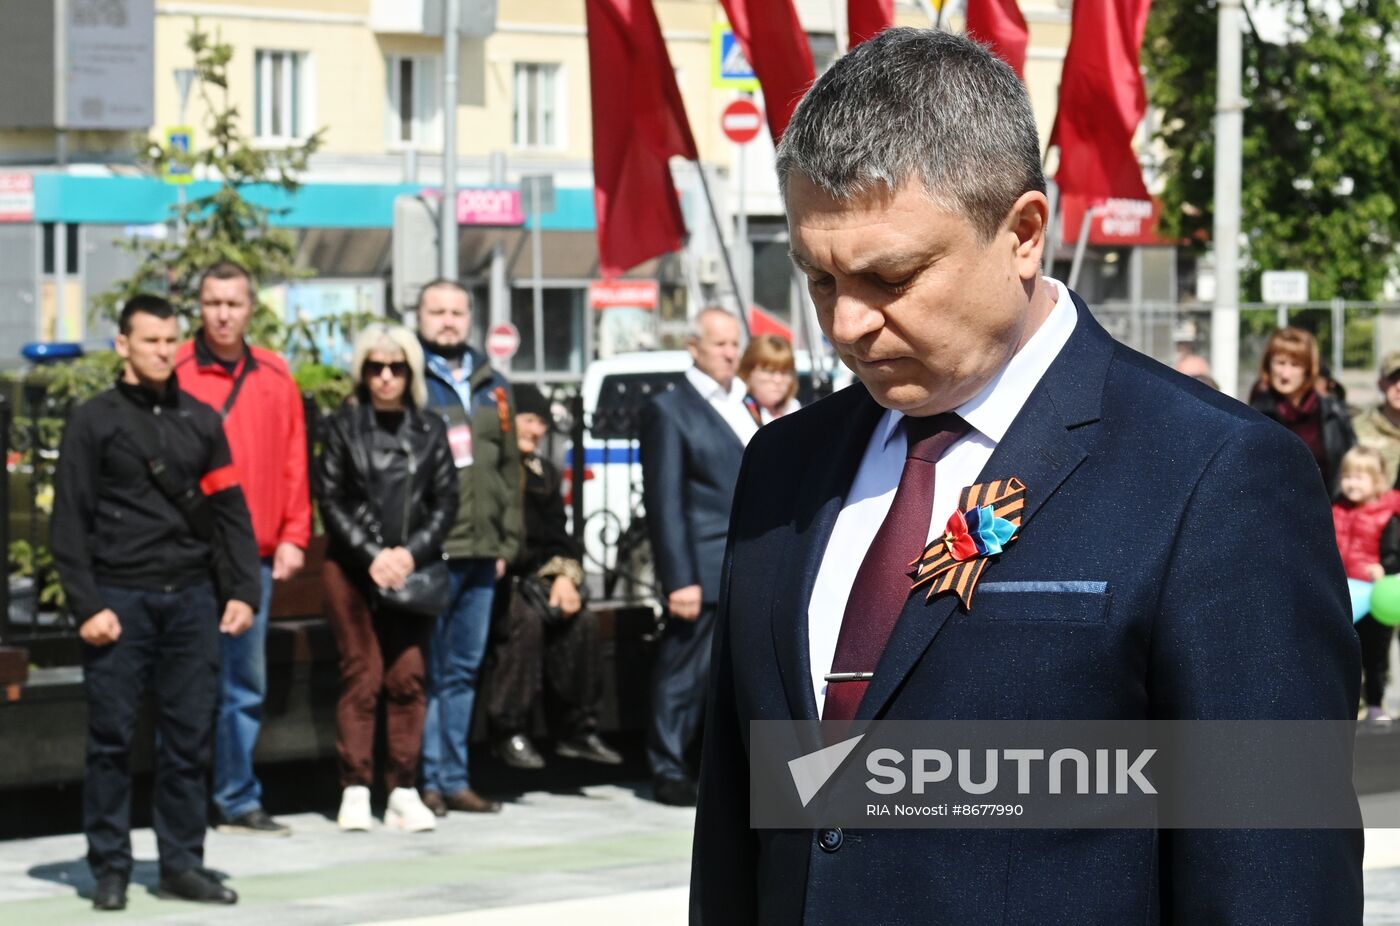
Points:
x=138 y=570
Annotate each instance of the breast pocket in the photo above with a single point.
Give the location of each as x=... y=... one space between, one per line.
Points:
x=1072 y=602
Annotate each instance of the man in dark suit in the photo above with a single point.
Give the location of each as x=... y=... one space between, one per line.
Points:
x=692 y=439
x=1174 y=557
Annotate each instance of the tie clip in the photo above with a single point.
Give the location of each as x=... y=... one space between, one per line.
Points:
x=849 y=676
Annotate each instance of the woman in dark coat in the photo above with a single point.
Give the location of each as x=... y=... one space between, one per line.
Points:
x=1291 y=391
x=388 y=495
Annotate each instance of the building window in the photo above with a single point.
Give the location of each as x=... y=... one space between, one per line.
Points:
x=415 y=115
x=537 y=109
x=282 y=80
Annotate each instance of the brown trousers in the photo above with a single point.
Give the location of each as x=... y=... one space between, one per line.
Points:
x=381 y=654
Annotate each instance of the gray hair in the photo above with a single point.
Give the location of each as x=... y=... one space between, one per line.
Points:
x=917 y=103
x=697 y=324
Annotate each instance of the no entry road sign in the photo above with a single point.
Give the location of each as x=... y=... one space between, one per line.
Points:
x=741 y=121
x=502 y=341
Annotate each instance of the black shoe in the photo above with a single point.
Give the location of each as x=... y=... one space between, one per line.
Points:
x=678 y=792
x=518 y=752
x=255 y=822
x=110 y=893
x=196 y=886
x=590 y=748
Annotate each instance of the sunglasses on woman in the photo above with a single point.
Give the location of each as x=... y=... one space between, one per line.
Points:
x=373 y=368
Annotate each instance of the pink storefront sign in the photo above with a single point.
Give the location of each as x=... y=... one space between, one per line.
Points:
x=489 y=206
x=16 y=197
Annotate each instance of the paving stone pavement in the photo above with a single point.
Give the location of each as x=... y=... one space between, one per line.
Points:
x=604 y=844
x=602 y=855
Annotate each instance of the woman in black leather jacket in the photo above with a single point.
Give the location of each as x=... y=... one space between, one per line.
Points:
x=388 y=494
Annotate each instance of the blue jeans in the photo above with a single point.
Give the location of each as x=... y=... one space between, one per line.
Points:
x=459 y=642
x=243 y=683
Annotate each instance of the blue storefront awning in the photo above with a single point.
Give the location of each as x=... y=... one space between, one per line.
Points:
x=146 y=201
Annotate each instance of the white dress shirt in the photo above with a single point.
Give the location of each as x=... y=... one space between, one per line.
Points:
x=989 y=413
x=729 y=403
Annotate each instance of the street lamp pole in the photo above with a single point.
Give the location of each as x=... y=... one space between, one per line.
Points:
x=1229 y=123
x=447 y=214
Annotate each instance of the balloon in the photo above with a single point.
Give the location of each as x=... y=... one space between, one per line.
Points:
x=1360 y=598
x=1385 y=601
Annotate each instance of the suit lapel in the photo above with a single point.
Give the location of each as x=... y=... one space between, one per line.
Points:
x=826 y=484
x=1042 y=449
x=707 y=412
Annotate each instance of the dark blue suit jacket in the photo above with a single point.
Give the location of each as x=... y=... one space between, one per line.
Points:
x=690 y=463
x=1225 y=599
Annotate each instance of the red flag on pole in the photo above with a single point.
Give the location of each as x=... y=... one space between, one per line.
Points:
x=866 y=19
x=639 y=122
x=1102 y=101
x=999 y=23
x=773 y=41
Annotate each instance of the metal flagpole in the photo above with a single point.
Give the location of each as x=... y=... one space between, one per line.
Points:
x=1052 y=228
x=1081 y=245
x=724 y=249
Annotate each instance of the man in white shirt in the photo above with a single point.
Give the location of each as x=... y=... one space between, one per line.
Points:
x=1173 y=555
x=692 y=440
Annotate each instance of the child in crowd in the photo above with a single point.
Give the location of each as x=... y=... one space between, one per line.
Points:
x=1368 y=535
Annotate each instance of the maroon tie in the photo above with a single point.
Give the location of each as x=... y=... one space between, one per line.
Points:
x=882 y=583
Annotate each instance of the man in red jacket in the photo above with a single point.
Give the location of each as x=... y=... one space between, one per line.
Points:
x=261 y=406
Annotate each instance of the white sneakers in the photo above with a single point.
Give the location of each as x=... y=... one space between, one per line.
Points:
x=406 y=811
x=354 y=813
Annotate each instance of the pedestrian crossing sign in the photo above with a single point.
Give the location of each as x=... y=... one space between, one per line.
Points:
x=728 y=66
x=177 y=145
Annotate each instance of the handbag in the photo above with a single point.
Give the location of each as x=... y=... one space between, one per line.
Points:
x=425 y=593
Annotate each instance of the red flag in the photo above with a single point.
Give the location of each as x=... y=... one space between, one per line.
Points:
x=866 y=19
x=999 y=23
x=639 y=123
x=1101 y=102
x=773 y=41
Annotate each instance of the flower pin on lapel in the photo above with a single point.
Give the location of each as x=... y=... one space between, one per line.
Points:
x=987 y=519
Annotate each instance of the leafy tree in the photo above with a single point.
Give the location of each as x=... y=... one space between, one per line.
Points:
x=223 y=224
x=1321 y=147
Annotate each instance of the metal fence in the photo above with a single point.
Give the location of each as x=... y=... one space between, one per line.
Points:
x=1352 y=336
x=32 y=422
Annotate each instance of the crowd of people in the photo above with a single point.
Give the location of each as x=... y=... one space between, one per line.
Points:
x=182 y=501
x=1359 y=459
